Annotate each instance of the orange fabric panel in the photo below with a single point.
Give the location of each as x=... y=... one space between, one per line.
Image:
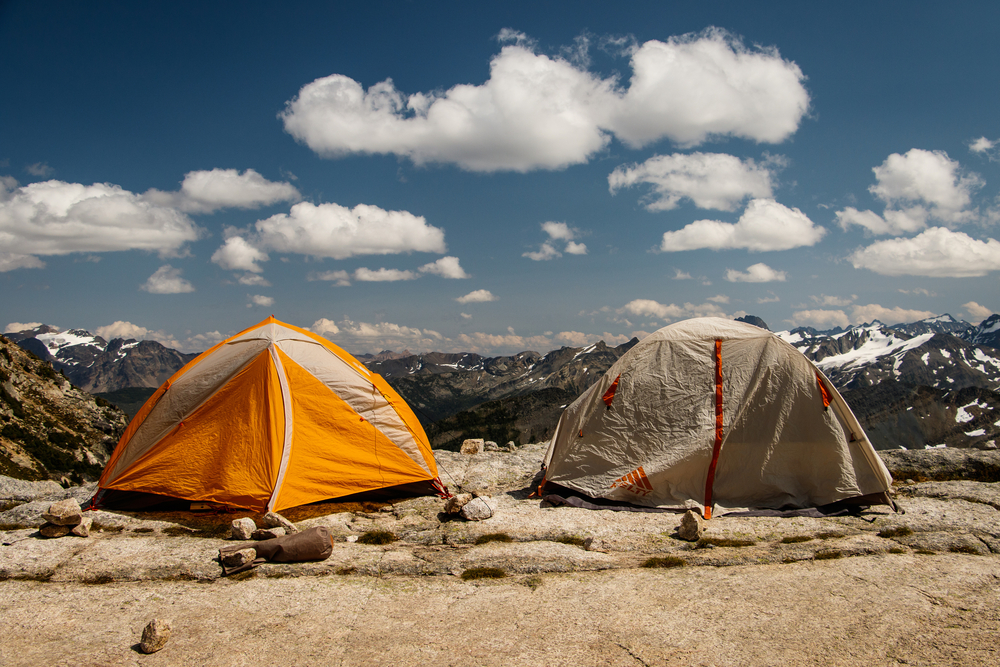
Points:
x=130 y=430
x=227 y=452
x=717 y=447
x=823 y=392
x=335 y=451
x=403 y=409
x=609 y=395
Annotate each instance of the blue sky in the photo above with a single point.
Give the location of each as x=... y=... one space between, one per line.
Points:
x=495 y=177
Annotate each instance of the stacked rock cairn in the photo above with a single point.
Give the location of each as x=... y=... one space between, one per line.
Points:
x=65 y=518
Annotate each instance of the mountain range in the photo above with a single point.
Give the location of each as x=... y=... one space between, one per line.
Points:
x=928 y=383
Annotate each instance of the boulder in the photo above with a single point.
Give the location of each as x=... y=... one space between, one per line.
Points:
x=155 y=635
x=473 y=446
x=692 y=526
x=476 y=509
x=275 y=520
x=237 y=558
x=490 y=446
x=267 y=533
x=457 y=502
x=23 y=490
x=64 y=513
x=82 y=529
x=54 y=530
x=243 y=528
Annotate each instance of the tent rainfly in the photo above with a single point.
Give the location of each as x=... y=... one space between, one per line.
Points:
x=711 y=412
x=272 y=418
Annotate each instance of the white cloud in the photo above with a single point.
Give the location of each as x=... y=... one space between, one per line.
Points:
x=17 y=327
x=167 y=280
x=895 y=222
x=367 y=275
x=254 y=279
x=977 y=312
x=446 y=267
x=764 y=225
x=331 y=230
x=872 y=311
x=208 y=191
x=486 y=343
x=324 y=326
x=40 y=169
x=709 y=180
x=540 y=112
x=719 y=298
x=340 y=278
x=466 y=316
x=260 y=300
x=479 y=296
x=820 y=319
x=557 y=231
x=769 y=299
x=545 y=252
x=659 y=311
x=10 y=261
x=236 y=254
x=758 y=273
x=936 y=253
x=57 y=218
x=681 y=275
x=838 y=301
x=121 y=329
x=981 y=145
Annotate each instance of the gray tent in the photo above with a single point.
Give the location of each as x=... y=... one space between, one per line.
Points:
x=711 y=412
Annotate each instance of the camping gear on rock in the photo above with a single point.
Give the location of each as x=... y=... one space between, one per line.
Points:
x=310 y=545
x=271 y=418
x=711 y=412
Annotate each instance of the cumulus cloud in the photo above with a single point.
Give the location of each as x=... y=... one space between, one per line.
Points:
x=873 y=311
x=331 y=230
x=209 y=191
x=121 y=329
x=446 y=267
x=367 y=275
x=167 y=280
x=478 y=296
x=260 y=300
x=236 y=254
x=838 y=301
x=977 y=312
x=17 y=327
x=820 y=319
x=58 y=218
x=254 y=279
x=655 y=310
x=487 y=343
x=541 y=112
x=916 y=187
x=758 y=273
x=709 y=180
x=936 y=253
x=10 y=261
x=764 y=225
x=982 y=145
x=40 y=169
x=557 y=232
x=366 y=337
x=339 y=278
x=681 y=275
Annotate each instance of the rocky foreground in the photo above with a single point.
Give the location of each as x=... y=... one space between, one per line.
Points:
x=545 y=585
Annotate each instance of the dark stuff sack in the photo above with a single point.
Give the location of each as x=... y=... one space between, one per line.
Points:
x=309 y=545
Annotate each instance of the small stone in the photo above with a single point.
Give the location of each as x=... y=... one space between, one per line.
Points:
x=473 y=446
x=82 y=529
x=692 y=526
x=477 y=509
x=352 y=538
x=243 y=528
x=64 y=513
x=275 y=520
x=510 y=446
x=490 y=446
x=238 y=558
x=54 y=530
x=267 y=533
x=457 y=502
x=595 y=544
x=155 y=635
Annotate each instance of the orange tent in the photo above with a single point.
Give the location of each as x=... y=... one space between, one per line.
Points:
x=274 y=417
